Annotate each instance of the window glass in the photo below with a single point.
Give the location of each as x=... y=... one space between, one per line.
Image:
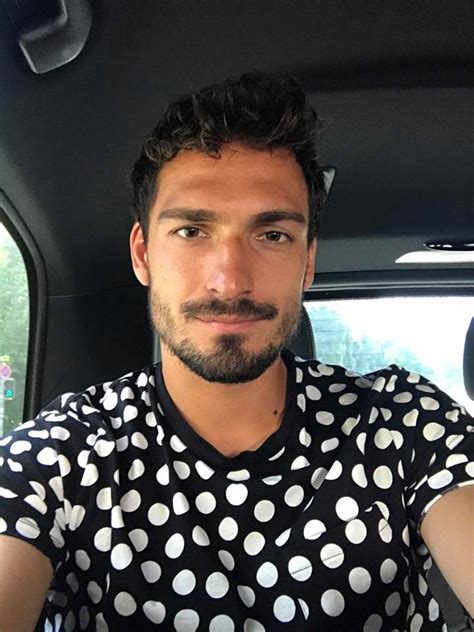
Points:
x=422 y=334
x=14 y=326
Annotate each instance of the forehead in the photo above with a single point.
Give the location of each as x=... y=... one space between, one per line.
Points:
x=260 y=179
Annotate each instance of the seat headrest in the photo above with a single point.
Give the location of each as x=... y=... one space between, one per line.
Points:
x=468 y=361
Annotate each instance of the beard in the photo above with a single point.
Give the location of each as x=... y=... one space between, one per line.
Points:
x=229 y=362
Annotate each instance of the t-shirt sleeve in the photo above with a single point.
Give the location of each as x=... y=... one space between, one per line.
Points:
x=34 y=470
x=439 y=443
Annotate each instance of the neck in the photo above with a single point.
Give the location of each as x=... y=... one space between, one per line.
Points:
x=231 y=417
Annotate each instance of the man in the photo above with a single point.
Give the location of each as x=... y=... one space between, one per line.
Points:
x=235 y=486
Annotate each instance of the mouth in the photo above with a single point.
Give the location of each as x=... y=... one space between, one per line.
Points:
x=228 y=324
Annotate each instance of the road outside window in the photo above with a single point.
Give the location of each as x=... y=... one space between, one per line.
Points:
x=14 y=326
x=422 y=334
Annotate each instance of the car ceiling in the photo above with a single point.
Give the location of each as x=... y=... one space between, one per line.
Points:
x=393 y=82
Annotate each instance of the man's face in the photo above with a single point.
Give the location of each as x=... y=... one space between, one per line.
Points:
x=226 y=259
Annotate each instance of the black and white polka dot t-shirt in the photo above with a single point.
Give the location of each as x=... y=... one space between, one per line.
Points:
x=147 y=525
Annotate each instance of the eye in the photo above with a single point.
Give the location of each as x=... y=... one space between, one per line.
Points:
x=189 y=232
x=276 y=237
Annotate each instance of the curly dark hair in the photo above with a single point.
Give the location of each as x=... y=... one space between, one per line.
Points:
x=256 y=110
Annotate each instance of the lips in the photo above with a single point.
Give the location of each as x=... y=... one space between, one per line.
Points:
x=231 y=320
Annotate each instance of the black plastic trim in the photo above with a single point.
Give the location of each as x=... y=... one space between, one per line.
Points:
x=38 y=288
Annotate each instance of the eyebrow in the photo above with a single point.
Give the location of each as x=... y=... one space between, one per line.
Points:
x=205 y=215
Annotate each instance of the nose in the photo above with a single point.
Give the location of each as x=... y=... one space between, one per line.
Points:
x=229 y=270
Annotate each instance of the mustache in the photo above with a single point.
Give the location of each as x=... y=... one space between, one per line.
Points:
x=239 y=307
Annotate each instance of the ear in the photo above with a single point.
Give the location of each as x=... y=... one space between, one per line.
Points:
x=309 y=273
x=139 y=254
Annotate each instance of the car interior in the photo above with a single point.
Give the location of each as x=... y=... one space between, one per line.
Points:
x=83 y=82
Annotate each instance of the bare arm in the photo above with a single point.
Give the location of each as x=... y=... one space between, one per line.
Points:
x=448 y=532
x=25 y=576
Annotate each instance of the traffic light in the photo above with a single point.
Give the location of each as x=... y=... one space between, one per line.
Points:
x=9 y=388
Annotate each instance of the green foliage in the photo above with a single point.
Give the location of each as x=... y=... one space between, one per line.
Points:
x=14 y=323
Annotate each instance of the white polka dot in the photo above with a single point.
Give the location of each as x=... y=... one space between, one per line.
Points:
x=227 y=560
x=411 y=418
x=205 y=502
x=221 y=623
x=186 y=621
x=47 y=456
x=200 y=537
x=158 y=514
x=318 y=477
x=94 y=591
x=403 y=398
x=130 y=412
x=103 y=539
x=110 y=400
x=204 y=471
x=347 y=399
x=383 y=477
x=184 y=582
x=300 y=568
x=347 y=508
x=283 y=537
x=18 y=447
x=125 y=604
x=332 y=602
x=155 y=611
x=174 y=546
x=136 y=470
x=428 y=403
x=180 y=504
x=82 y=560
x=329 y=444
x=151 y=571
x=359 y=580
x=360 y=440
x=332 y=555
x=27 y=527
x=388 y=570
x=90 y=476
x=337 y=388
x=130 y=501
x=236 y=494
x=254 y=543
x=324 y=417
x=247 y=595
x=121 y=556
x=267 y=575
x=239 y=475
x=350 y=423
x=37 y=503
x=356 y=531
x=264 y=510
x=335 y=471
x=304 y=608
x=76 y=517
x=104 y=498
x=383 y=438
x=163 y=475
x=294 y=496
x=228 y=529
x=313 y=529
x=313 y=393
x=416 y=623
x=182 y=469
x=217 y=585
x=440 y=479
x=433 y=431
x=117 y=518
x=299 y=463
x=359 y=476
x=305 y=438
x=433 y=610
x=176 y=444
x=139 y=539
x=103 y=448
x=272 y=480
x=301 y=401
x=373 y=623
x=284 y=608
x=392 y=604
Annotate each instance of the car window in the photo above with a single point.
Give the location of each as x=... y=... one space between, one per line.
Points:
x=422 y=334
x=14 y=330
